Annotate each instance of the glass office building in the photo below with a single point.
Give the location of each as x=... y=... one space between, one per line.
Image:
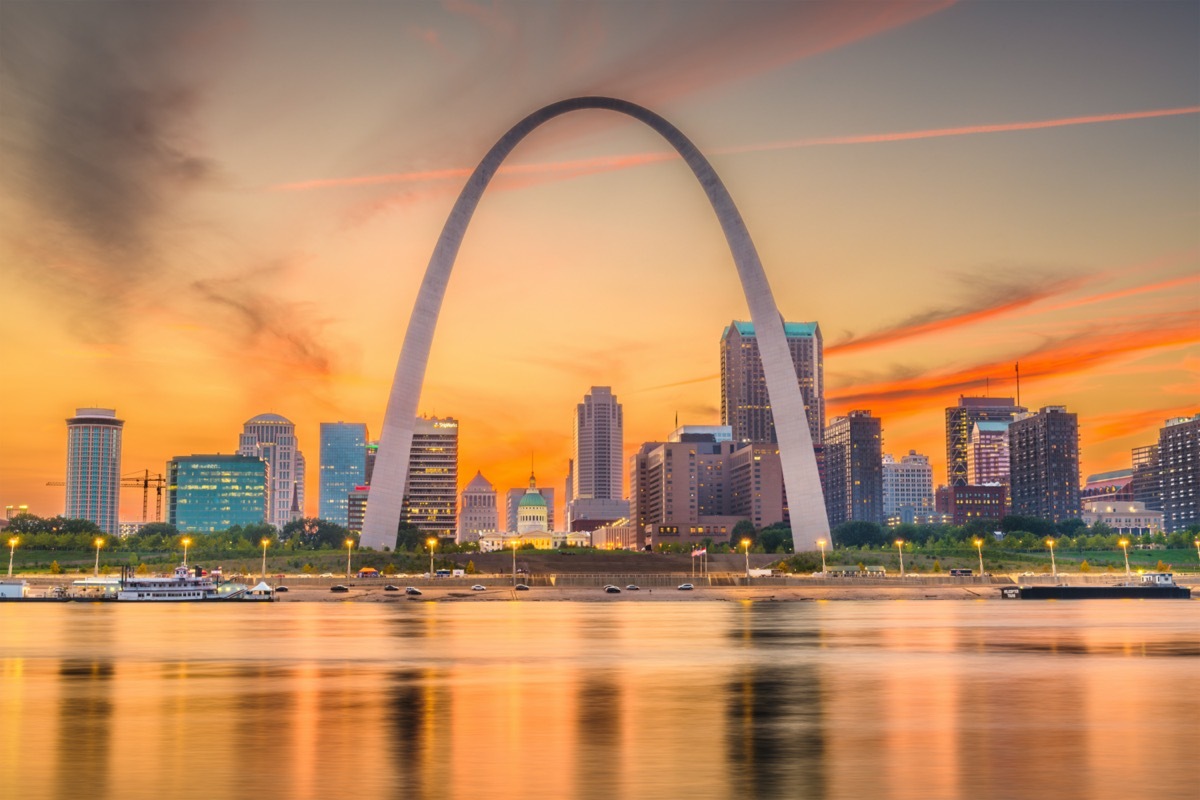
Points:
x=343 y=467
x=213 y=493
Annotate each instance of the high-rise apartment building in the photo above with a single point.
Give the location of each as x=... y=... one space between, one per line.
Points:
x=209 y=493
x=273 y=439
x=94 y=467
x=854 y=469
x=512 y=499
x=343 y=467
x=907 y=487
x=1146 y=484
x=1179 y=470
x=1044 y=464
x=745 y=405
x=356 y=508
x=431 y=492
x=477 y=510
x=599 y=428
x=597 y=480
x=960 y=422
x=987 y=453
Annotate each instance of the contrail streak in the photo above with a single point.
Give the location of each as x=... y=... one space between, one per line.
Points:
x=587 y=166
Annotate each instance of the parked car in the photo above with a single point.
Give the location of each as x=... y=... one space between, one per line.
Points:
x=325 y=575
x=412 y=590
x=686 y=587
x=279 y=589
x=339 y=589
x=391 y=588
x=612 y=589
x=478 y=588
x=633 y=587
x=520 y=587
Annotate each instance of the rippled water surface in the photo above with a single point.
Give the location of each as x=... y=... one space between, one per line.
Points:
x=938 y=699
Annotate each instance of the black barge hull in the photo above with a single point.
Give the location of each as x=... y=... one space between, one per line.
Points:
x=1102 y=592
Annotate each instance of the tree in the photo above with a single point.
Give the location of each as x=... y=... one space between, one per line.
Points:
x=470 y=569
x=55 y=569
x=775 y=539
x=1036 y=525
x=314 y=533
x=743 y=530
x=859 y=533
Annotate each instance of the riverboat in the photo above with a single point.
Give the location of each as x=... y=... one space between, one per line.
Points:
x=183 y=586
x=1152 y=586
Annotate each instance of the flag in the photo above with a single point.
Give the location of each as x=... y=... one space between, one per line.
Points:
x=699 y=552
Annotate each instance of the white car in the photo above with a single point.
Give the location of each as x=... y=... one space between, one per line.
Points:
x=686 y=587
x=478 y=588
x=326 y=575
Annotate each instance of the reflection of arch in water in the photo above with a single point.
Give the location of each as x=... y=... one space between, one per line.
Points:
x=806 y=502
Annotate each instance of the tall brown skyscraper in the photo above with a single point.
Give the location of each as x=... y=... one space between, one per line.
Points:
x=745 y=406
x=1044 y=464
x=960 y=421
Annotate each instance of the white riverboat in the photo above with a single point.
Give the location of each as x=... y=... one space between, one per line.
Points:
x=183 y=586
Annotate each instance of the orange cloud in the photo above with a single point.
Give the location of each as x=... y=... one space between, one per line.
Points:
x=1117 y=426
x=938 y=321
x=1073 y=355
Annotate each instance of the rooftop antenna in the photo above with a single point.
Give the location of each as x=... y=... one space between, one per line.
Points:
x=1017 y=367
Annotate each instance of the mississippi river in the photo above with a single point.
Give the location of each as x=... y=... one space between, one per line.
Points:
x=995 y=699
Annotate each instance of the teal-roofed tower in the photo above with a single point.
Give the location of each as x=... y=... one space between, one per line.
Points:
x=745 y=405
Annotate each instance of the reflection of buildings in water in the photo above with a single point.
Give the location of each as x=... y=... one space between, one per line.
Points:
x=85 y=712
x=775 y=728
x=599 y=759
x=410 y=714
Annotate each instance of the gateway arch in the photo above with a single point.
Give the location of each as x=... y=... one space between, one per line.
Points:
x=801 y=480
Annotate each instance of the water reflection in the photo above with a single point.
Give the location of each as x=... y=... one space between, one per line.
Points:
x=498 y=700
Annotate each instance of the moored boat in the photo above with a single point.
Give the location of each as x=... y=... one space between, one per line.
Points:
x=1152 y=586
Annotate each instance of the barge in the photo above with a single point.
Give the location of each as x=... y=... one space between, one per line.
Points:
x=1152 y=586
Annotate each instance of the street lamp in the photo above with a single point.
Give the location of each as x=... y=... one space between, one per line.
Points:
x=264 y=543
x=515 y=542
x=1053 y=566
x=1197 y=553
x=432 y=542
x=821 y=544
x=746 y=546
x=1125 y=546
x=185 y=541
x=12 y=548
x=900 y=550
x=99 y=543
x=979 y=547
x=349 y=550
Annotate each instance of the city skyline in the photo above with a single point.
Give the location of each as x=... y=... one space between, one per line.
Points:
x=948 y=207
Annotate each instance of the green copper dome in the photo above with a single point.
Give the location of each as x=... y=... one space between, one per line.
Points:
x=531 y=499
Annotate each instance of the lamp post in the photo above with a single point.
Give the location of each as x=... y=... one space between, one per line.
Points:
x=900 y=550
x=1197 y=552
x=979 y=547
x=746 y=547
x=1125 y=546
x=432 y=542
x=185 y=541
x=12 y=548
x=515 y=542
x=99 y=543
x=1053 y=566
x=821 y=544
x=264 y=543
x=349 y=550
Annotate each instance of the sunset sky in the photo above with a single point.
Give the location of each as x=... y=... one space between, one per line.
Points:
x=214 y=210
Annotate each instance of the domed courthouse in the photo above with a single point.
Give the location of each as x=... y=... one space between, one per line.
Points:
x=534 y=527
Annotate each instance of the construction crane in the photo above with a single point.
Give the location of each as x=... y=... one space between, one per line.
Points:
x=143 y=480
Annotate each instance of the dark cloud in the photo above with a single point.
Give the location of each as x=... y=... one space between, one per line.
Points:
x=102 y=146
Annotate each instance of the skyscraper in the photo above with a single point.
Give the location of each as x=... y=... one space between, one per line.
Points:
x=1179 y=472
x=597 y=481
x=1044 y=464
x=907 y=487
x=209 y=493
x=343 y=467
x=273 y=439
x=744 y=403
x=94 y=467
x=477 y=511
x=854 y=469
x=960 y=421
x=431 y=492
